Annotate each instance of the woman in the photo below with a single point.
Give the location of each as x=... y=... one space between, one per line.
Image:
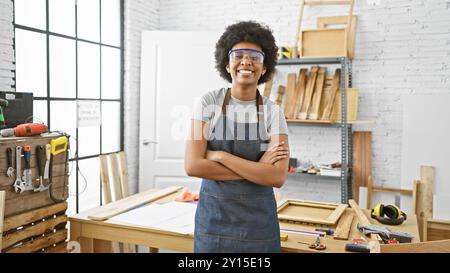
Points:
x=239 y=146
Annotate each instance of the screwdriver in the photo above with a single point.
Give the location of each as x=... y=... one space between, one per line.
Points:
x=328 y=231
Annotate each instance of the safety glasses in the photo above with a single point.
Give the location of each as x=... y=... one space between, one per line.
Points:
x=237 y=55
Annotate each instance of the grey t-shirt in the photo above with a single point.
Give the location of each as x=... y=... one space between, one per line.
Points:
x=209 y=107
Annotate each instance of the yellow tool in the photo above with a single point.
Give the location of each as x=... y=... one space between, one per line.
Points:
x=58 y=146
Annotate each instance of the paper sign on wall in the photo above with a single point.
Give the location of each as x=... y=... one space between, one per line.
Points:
x=88 y=113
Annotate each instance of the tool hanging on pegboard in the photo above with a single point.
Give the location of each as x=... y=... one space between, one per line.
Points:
x=58 y=146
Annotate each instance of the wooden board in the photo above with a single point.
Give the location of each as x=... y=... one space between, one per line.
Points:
x=425 y=197
x=290 y=95
x=323 y=43
x=309 y=93
x=437 y=230
x=329 y=104
x=300 y=89
x=40 y=243
x=362 y=161
x=34 y=215
x=362 y=218
x=310 y=212
x=343 y=227
x=441 y=246
x=323 y=22
x=352 y=105
x=2 y=214
x=126 y=204
x=318 y=90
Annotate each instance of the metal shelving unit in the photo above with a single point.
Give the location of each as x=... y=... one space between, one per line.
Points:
x=346 y=128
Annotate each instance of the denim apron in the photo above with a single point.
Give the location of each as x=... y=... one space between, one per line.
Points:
x=237 y=216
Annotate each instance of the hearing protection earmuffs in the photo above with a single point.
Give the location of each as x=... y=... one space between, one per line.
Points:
x=394 y=216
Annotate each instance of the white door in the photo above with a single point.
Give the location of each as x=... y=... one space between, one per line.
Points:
x=176 y=68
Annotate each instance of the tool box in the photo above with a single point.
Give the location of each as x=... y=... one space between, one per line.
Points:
x=34 y=222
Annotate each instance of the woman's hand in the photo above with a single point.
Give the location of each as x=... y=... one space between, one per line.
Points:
x=275 y=153
x=214 y=155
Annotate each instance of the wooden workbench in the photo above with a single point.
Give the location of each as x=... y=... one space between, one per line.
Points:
x=84 y=230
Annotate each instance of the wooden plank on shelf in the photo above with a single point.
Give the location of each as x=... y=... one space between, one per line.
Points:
x=323 y=22
x=129 y=203
x=41 y=242
x=329 y=104
x=290 y=95
x=299 y=92
x=33 y=231
x=268 y=87
x=425 y=198
x=323 y=43
x=22 y=219
x=309 y=93
x=343 y=227
x=318 y=90
x=362 y=161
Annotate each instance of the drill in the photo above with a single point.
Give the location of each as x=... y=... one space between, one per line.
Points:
x=3 y=103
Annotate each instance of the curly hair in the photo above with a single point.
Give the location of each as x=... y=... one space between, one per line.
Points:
x=246 y=31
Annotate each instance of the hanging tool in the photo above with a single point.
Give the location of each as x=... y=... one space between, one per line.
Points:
x=27 y=179
x=58 y=146
x=9 y=159
x=24 y=130
x=40 y=159
x=3 y=103
x=18 y=183
x=47 y=161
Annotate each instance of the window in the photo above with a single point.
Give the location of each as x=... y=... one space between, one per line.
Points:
x=70 y=52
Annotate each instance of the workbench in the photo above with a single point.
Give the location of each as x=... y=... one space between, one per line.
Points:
x=84 y=230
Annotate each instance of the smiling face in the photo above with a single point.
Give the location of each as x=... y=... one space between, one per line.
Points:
x=245 y=72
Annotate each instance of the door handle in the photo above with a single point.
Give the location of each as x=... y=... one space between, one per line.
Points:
x=148 y=141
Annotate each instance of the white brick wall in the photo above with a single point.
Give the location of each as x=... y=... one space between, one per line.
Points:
x=403 y=47
x=139 y=15
x=6 y=46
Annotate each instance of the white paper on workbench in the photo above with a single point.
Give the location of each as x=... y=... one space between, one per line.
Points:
x=172 y=216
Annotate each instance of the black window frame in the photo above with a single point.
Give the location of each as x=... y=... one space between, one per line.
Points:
x=75 y=159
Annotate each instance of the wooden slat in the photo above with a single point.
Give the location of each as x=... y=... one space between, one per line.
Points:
x=362 y=218
x=336 y=214
x=416 y=185
x=40 y=243
x=343 y=227
x=336 y=82
x=59 y=248
x=104 y=177
x=300 y=89
x=401 y=191
x=362 y=161
x=425 y=197
x=2 y=213
x=304 y=219
x=19 y=202
x=290 y=95
x=437 y=229
x=115 y=178
x=327 y=3
x=35 y=230
x=110 y=210
x=442 y=246
x=318 y=90
x=268 y=87
x=34 y=215
x=309 y=93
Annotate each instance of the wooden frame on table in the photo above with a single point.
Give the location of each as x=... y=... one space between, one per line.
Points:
x=336 y=210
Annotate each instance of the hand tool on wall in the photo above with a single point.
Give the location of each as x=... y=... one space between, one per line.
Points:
x=23 y=130
x=47 y=161
x=27 y=179
x=18 y=183
x=40 y=159
x=9 y=160
x=58 y=146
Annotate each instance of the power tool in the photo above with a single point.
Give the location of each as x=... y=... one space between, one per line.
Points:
x=3 y=103
x=24 y=130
